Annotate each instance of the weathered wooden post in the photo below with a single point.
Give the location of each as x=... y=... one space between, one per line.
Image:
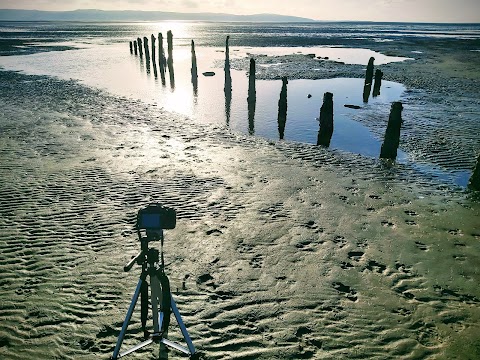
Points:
x=161 y=57
x=367 y=88
x=131 y=47
x=139 y=43
x=228 y=78
x=474 y=182
x=326 y=120
x=227 y=88
x=194 y=70
x=378 y=82
x=282 y=108
x=154 y=56
x=147 y=53
x=252 y=98
x=170 y=58
x=135 y=47
x=392 y=134
x=170 y=48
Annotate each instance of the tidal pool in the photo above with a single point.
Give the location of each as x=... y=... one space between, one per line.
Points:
x=114 y=69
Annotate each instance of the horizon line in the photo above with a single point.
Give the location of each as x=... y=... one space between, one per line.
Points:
x=221 y=14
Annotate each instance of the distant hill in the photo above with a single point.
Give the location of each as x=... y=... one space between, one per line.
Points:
x=101 y=15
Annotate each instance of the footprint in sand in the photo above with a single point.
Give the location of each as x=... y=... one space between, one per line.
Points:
x=346 y=265
x=340 y=240
x=421 y=246
x=355 y=255
x=456 y=232
x=312 y=226
x=257 y=261
x=386 y=223
x=375 y=267
x=349 y=293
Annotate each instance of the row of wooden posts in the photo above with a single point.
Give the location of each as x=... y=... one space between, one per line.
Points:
x=391 y=141
x=139 y=47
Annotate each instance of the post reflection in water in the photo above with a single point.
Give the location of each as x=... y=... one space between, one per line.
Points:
x=228 y=83
x=252 y=98
x=282 y=108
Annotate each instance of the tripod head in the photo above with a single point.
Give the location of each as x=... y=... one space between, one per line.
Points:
x=151 y=221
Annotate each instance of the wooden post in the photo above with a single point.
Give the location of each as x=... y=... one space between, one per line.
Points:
x=228 y=78
x=194 y=70
x=282 y=108
x=326 y=121
x=131 y=47
x=378 y=82
x=139 y=43
x=170 y=48
x=147 y=54
x=392 y=134
x=161 y=57
x=474 y=183
x=135 y=47
x=252 y=98
x=147 y=51
x=154 y=56
x=367 y=88
x=227 y=88
x=170 y=58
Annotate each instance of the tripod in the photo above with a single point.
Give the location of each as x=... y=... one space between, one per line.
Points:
x=161 y=300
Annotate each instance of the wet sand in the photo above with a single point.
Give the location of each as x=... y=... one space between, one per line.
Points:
x=286 y=250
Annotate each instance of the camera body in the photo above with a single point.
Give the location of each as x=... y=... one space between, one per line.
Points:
x=155 y=218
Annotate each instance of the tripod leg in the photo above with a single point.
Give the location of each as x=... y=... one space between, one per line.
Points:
x=156 y=294
x=185 y=334
x=127 y=318
x=144 y=307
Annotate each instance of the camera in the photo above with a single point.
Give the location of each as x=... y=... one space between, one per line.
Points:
x=156 y=217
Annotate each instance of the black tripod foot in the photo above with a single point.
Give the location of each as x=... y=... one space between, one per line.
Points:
x=196 y=356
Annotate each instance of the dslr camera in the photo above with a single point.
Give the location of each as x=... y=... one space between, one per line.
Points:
x=153 y=219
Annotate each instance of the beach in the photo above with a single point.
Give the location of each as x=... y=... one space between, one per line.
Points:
x=282 y=249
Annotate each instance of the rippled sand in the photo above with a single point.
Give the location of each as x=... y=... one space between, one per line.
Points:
x=281 y=250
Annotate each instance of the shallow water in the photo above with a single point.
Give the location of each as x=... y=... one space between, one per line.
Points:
x=113 y=68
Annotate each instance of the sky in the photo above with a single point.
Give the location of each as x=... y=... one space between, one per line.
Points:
x=361 y=10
